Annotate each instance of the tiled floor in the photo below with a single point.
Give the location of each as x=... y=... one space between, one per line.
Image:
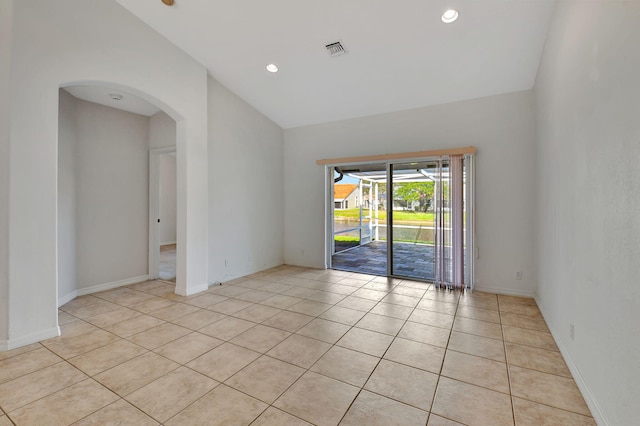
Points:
x=291 y=346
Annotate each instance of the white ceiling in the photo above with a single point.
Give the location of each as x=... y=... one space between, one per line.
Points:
x=102 y=95
x=400 y=56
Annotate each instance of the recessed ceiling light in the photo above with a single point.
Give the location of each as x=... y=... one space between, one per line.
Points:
x=168 y=2
x=116 y=96
x=449 y=16
x=272 y=68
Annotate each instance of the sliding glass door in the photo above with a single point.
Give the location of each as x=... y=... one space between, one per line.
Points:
x=427 y=234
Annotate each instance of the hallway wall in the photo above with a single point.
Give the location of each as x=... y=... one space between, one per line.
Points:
x=588 y=173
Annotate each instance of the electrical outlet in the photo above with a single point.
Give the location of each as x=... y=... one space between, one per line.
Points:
x=571 y=330
x=518 y=275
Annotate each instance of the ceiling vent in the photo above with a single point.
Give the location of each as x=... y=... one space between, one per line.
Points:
x=336 y=49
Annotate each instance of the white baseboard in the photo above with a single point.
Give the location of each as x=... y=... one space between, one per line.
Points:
x=191 y=290
x=100 y=287
x=593 y=405
x=6 y=345
x=168 y=243
x=504 y=291
x=67 y=298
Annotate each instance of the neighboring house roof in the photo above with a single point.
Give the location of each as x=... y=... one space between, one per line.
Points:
x=343 y=190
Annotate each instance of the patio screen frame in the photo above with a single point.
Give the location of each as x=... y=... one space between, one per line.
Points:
x=387 y=160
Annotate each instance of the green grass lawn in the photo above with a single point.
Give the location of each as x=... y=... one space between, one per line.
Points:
x=382 y=215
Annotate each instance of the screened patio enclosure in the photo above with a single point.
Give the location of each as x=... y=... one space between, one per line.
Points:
x=410 y=219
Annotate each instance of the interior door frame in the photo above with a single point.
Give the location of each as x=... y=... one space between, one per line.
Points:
x=154 y=209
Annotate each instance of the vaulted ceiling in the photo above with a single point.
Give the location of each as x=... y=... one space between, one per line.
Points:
x=400 y=53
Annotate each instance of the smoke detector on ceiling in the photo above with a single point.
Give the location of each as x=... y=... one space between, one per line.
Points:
x=336 y=49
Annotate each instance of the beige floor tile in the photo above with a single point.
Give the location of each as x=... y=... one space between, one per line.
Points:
x=145 y=286
x=399 y=299
x=31 y=387
x=533 y=338
x=66 y=406
x=549 y=389
x=357 y=303
x=207 y=300
x=502 y=298
x=281 y=301
x=223 y=361
x=317 y=399
x=327 y=331
x=260 y=338
x=119 y=314
x=275 y=287
x=479 y=328
x=4 y=421
x=478 y=314
x=425 y=333
x=435 y=420
x=403 y=383
x=416 y=354
x=300 y=292
x=124 y=296
x=257 y=313
x=25 y=363
x=119 y=413
x=366 y=341
x=221 y=406
x=471 y=405
x=232 y=290
x=479 y=302
x=517 y=308
x=309 y=307
x=227 y=328
x=343 y=315
x=435 y=319
x=133 y=326
x=529 y=413
x=326 y=297
x=442 y=295
x=230 y=306
x=79 y=302
x=101 y=359
x=188 y=348
x=379 y=286
x=375 y=410
x=151 y=305
x=288 y=321
x=353 y=281
x=346 y=365
x=477 y=345
x=136 y=373
x=344 y=290
x=171 y=393
x=158 y=336
x=71 y=330
x=199 y=319
x=537 y=359
x=19 y=351
x=476 y=371
x=174 y=312
x=381 y=324
x=83 y=343
x=438 y=306
x=99 y=307
x=391 y=310
x=524 y=321
x=255 y=296
x=164 y=290
x=409 y=291
x=265 y=379
x=274 y=417
x=299 y=350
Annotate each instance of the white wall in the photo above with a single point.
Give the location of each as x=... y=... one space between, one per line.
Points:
x=6 y=14
x=501 y=127
x=245 y=187
x=167 y=169
x=74 y=41
x=588 y=95
x=112 y=195
x=67 y=161
x=162 y=131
